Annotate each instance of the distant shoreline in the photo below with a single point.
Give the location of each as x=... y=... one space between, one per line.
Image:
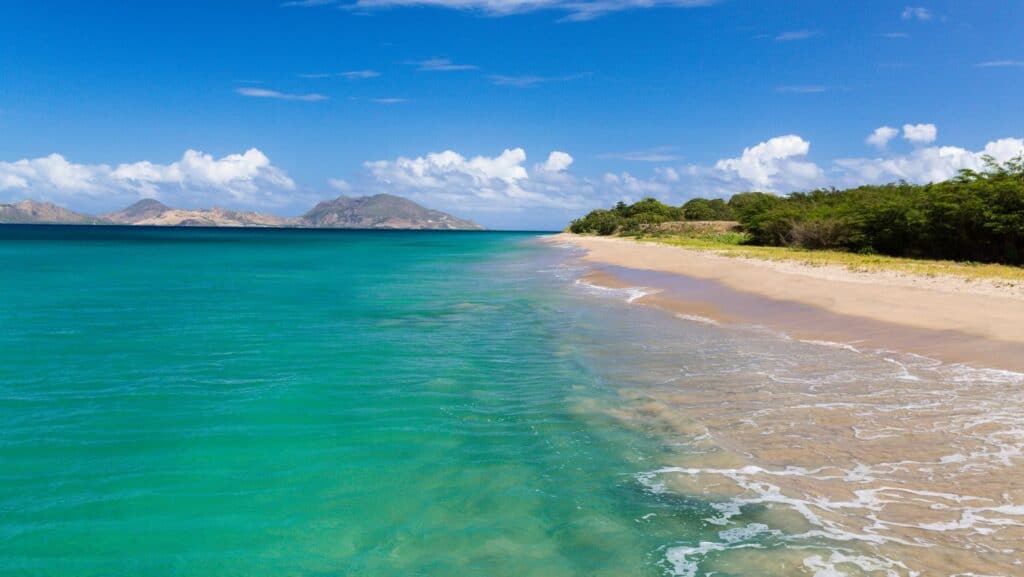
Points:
x=970 y=321
x=256 y=227
x=252 y=227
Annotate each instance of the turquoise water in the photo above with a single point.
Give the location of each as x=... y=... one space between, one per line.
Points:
x=197 y=402
x=241 y=402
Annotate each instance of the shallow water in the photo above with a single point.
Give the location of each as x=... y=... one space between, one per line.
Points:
x=273 y=402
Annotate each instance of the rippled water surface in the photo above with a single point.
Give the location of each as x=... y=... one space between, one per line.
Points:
x=247 y=402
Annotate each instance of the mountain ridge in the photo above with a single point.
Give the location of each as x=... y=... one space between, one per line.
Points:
x=379 y=211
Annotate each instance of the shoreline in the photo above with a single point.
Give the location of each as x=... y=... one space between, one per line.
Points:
x=973 y=322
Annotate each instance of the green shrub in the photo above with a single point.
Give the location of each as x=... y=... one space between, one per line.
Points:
x=977 y=216
x=704 y=209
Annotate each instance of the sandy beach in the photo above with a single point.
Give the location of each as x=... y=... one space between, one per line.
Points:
x=915 y=471
x=954 y=319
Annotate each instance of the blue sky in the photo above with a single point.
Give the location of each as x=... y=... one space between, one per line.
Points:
x=460 y=104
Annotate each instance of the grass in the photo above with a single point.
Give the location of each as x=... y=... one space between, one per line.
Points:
x=730 y=243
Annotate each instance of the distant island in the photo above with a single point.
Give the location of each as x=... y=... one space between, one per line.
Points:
x=380 y=211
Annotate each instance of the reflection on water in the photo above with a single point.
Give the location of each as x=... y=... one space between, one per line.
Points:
x=817 y=458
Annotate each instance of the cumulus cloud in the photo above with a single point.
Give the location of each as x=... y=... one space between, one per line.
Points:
x=772 y=163
x=629 y=187
x=577 y=10
x=916 y=13
x=920 y=133
x=503 y=183
x=478 y=183
x=248 y=178
x=339 y=185
x=923 y=165
x=557 y=161
x=274 y=94
x=881 y=136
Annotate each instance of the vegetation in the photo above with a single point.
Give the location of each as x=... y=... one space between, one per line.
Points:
x=704 y=209
x=977 y=216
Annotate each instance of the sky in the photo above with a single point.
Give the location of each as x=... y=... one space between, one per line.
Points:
x=519 y=114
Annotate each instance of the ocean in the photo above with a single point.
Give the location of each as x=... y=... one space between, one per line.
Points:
x=268 y=402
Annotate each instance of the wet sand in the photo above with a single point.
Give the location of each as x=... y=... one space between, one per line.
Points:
x=907 y=462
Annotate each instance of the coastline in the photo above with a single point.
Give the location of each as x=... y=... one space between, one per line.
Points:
x=957 y=320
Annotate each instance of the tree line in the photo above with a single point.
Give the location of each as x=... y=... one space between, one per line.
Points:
x=975 y=216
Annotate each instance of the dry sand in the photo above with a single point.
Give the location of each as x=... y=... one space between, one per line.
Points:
x=951 y=318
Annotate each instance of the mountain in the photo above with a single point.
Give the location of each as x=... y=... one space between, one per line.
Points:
x=215 y=217
x=144 y=209
x=31 y=212
x=380 y=211
x=155 y=213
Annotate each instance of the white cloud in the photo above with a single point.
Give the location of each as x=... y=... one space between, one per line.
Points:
x=920 y=133
x=667 y=173
x=477 y=183
x=516 y=80
x=264 y=93
x=503 y=184
x=529 y=80
x=350 y=74
x=656 y=154
x=441 y=65
x=797 y=35
x=308 y=3
x=1001 y=64
x=931 y=164
x=773 y=163
x=577 y=10
x=916 y=13
x=627 y=186
x=389 y=100
x=881 y=136
x=242 y=179
x=557 y=161
x=339 y=184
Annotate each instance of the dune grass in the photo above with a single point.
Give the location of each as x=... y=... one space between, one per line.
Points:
x=731 y=243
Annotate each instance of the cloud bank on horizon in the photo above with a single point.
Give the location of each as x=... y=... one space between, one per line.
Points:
x=506 y=182
x=247 y=179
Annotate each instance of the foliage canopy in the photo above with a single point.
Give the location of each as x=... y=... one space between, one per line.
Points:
x=976 y=216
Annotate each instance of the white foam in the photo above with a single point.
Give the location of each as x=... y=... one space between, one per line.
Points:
x=831 y=567
x=832 y=345
x=629 y=294
x=684 y=558
x=697 y=319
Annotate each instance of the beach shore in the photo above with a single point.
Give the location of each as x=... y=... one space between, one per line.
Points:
x=953 y=319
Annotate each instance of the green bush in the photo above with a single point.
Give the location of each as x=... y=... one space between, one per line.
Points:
x=977 y=216
x=626 y=218
x=704 y=209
